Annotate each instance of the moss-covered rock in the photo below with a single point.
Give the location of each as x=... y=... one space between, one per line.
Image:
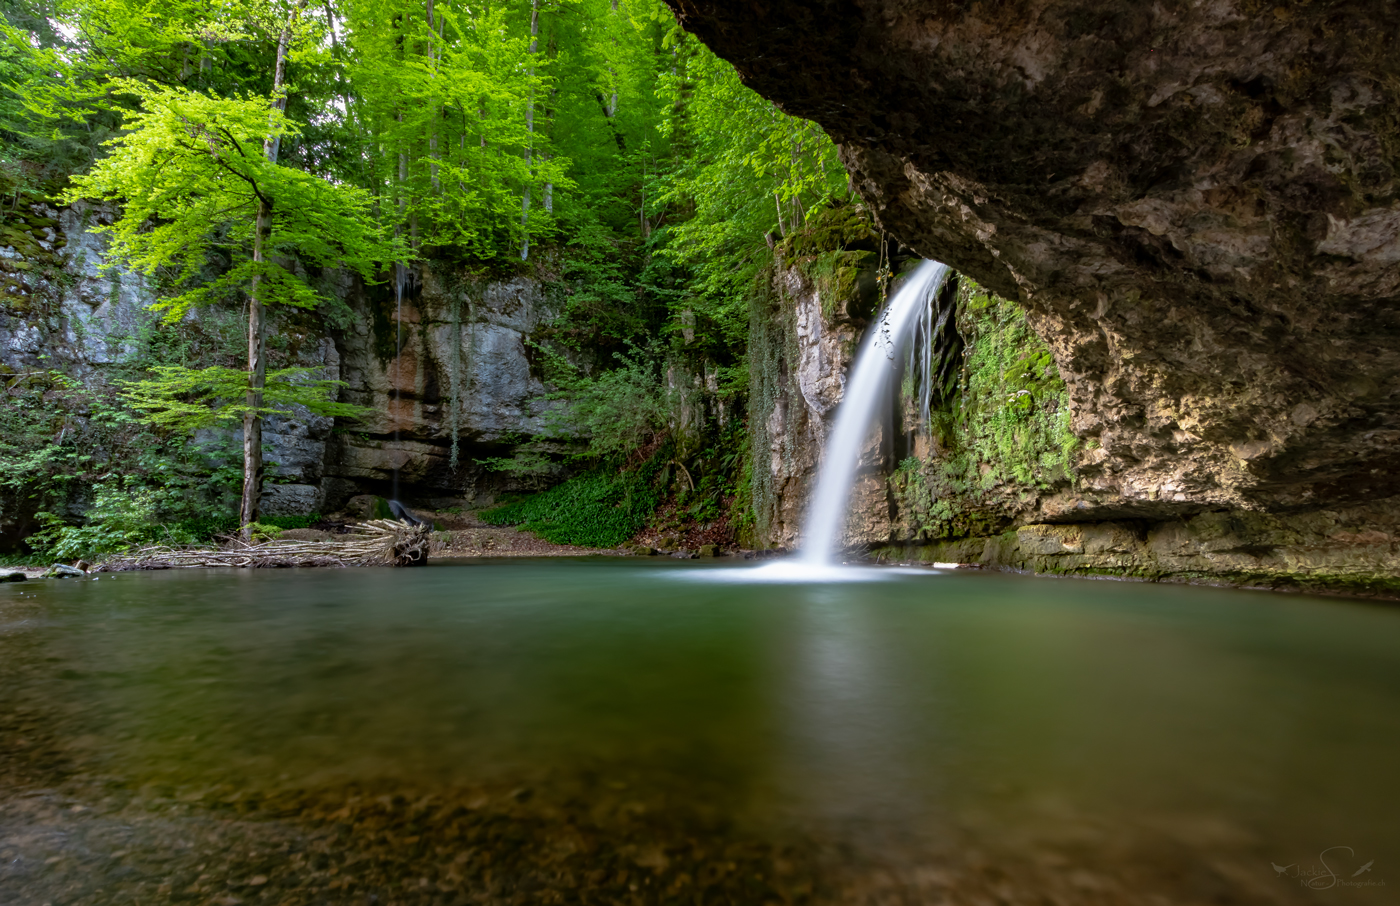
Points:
x=1000 y=441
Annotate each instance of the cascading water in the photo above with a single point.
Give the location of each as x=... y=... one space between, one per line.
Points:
x=929 y=360
x=871 y=382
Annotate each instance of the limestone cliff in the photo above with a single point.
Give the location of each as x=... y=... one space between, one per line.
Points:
x=798 y=356
x=994 y=452
x=450 y=362
x=447 y=371
x=1197 y=204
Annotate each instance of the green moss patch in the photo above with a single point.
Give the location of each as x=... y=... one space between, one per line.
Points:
x=1002 y=433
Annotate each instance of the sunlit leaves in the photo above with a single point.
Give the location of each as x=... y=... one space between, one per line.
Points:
x=188 y=399
x=444 y=104
x=748 y=170
x=190 y=173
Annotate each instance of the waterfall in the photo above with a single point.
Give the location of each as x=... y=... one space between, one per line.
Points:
x=871 y=382
x=928 y=361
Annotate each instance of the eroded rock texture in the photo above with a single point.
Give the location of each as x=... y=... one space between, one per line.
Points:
x=448 y=360
x=1197 y=202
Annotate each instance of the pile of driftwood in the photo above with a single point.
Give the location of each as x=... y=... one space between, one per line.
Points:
x=382 y=542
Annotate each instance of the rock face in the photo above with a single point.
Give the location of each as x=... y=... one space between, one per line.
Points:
x=451 y=360
x=992 y=452
x=1196 y=202
x=456 y=366
x=58 y=297
x=798 y=360
x=803 y=338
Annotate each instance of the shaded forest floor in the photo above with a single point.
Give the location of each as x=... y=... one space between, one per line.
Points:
x=467 y=536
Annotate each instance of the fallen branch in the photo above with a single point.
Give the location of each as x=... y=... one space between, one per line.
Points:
x=382 y=542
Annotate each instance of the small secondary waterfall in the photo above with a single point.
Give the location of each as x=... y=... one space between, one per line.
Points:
x=872 y=381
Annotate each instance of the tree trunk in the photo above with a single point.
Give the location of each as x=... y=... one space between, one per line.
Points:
x=530 y=134
x=549 y=125
x=437 y=112
x=548 y=191
x=257 y=315
x=257 y=379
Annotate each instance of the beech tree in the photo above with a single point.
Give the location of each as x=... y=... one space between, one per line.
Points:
x=196 y=175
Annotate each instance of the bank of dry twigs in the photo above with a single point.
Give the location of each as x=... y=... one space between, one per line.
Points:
x=381 y=542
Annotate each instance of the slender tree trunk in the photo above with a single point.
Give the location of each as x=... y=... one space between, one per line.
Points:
x=612 y=74
x=530 y=134
x=257 y=315
x=437 y=113
x=549 y=124
x=257 y=379
x=548 y=191
x=401 y=142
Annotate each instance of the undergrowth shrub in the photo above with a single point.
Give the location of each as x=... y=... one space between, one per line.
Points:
x=600 y=508
x=125 y=518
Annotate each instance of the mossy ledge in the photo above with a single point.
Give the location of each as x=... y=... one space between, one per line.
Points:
x=1353 y=551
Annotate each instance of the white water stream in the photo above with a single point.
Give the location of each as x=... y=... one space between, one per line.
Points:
x=872 y=381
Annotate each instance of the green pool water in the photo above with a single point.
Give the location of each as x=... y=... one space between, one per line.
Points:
x=616 y=730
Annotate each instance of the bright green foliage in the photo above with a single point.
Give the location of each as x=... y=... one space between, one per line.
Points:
x=59 y=439
x=64 y=83
x=749 y=171
x=443 y=104
x=20 y=64
x=188 y=399
x=646 y=179
x=33 y=148
x=601 y=508
x=191 y=173
x=726 y=175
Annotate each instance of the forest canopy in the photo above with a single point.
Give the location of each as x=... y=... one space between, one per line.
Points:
x=242 y=144
x=478 y=130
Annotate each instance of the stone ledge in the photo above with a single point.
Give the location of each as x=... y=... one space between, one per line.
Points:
x=1322 y=552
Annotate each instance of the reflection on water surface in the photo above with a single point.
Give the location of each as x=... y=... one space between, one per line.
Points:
x=621 y=731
